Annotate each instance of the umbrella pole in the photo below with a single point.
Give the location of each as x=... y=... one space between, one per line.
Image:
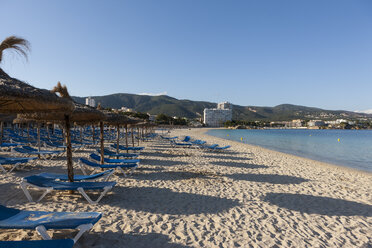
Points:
x=132 y=136
x=117 y=138
x=94 y=134
x=81 y=135
x=28 y=132
x=138 y=137
x=21 y=133
x=2 y=132
x=102 y=145
x=70 y=168
x=48 y=131
x=38 y=137
x=126 y=137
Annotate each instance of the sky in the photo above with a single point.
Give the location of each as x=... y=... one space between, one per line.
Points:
x=249 y=52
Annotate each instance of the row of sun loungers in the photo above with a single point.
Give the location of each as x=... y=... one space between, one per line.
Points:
x=41 y=221
x=187 y=142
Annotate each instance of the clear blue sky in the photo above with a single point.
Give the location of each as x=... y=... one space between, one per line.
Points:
x=314 y=53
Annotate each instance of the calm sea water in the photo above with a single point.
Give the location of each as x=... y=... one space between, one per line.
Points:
x=351 y=148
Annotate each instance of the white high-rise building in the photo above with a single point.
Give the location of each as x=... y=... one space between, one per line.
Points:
x=90 y=102
x=224 y=105
x=217 y=116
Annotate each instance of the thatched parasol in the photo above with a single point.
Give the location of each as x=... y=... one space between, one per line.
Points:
x=82 y=114
x=19 y=97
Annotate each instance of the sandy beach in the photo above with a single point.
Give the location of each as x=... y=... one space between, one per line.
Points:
x=246 y=196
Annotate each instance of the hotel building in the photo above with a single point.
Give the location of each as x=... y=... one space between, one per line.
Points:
x=90 y=102
x=217 y=116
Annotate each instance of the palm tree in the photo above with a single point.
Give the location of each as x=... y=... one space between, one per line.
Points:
x=19 y=45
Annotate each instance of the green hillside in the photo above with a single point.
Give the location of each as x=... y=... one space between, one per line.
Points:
x=194 y=109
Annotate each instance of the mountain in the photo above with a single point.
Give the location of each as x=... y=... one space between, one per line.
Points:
x=194 y=109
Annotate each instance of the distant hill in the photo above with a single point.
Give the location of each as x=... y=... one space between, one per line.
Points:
x=193 y=109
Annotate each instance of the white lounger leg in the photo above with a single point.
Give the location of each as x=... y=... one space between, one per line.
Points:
x=82 y=168
x=2 y=168
x=82 y=192
x=14 y=166
x=106 y=177
x=43 y=232
x=24 y=185
x=82 y=229
x=122 y=171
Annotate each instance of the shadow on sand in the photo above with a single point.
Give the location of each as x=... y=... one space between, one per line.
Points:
x=169 y=175
x=130 y=240
x=157 y=154
x=165 y=201
x=147 y=161
x=318 y=205
x=240 y=165
x=268 y=178
x=227 y=157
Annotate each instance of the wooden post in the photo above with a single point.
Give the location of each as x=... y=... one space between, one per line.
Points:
x=94 y=134
x=70 y=168
x=28 y=131
x=126 y=136
x=132 y=136
x=38 y=137
x=2 y=132
x=117 y=138
x=102 y=144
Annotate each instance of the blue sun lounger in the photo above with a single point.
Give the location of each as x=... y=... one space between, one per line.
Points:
x=56 y=243
x=168 y=138
x=87 y=163
x=215 y=147
x=198 y=142
x=14 y=162
x=129 y=148
x=11 y=218
x=48 y=185
x=8 y=145
x=218 y=148
x=109 y=153
x=43 y=153
x=63 y=177
x=210 y=147
x=114 y=161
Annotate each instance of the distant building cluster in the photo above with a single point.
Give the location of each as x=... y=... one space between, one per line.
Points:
x=90 y=102
x=217 y=116
x=311 y=124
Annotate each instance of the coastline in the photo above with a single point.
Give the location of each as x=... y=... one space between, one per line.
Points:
x=246 y=196
x=316 y=162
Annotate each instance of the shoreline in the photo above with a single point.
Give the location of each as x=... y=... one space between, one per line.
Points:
x=323 y=163
x=246 y=196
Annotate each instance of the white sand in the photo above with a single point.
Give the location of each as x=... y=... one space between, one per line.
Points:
x=245 y=197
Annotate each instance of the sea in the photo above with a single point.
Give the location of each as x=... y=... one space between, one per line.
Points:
x=350 y=148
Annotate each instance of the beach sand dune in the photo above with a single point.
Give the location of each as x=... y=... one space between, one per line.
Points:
x=243 y=197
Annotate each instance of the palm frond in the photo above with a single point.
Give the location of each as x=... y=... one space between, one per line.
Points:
x=62 y=90
x=18 y=44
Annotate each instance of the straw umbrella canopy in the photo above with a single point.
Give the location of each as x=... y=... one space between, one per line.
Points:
x=19 y=97
x=82 y=114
